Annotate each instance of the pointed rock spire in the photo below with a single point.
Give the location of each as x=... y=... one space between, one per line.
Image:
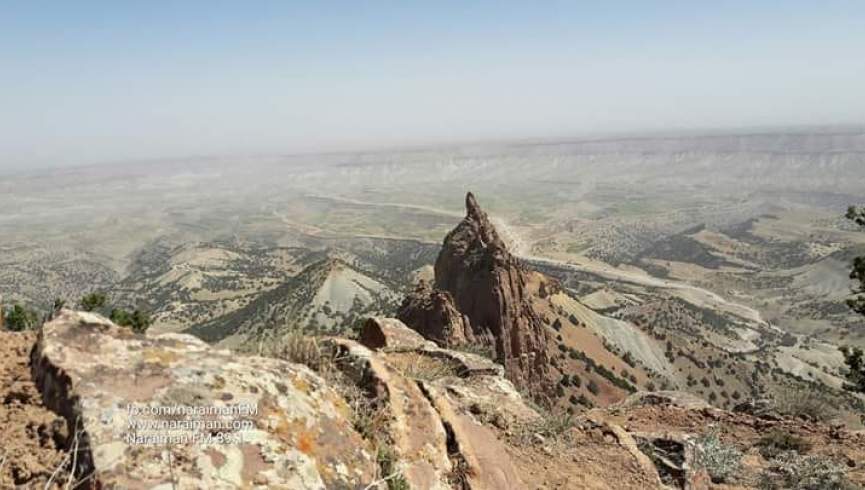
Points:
x=487 y=285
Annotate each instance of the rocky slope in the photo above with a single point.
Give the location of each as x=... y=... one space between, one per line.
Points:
x=328 y=296
x=480 y=297
x=391 y=411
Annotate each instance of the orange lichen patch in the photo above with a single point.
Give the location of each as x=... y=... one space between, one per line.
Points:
x=159 y=356
x=306 y=442
x=273 y=419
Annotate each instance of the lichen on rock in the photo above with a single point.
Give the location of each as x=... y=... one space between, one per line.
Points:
x=170 y=410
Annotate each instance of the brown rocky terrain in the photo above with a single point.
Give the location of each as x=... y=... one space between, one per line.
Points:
x=31 y=436
x=395 y=411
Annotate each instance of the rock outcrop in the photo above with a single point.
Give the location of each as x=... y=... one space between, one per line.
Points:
x=433 y=314
x=169 y=411
x=390 y=334
x=480 y=297
x=400 y=412
x=435 y=410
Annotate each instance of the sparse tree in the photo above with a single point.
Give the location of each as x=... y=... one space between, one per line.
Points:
x=120 y=317
x=853 y=357
x=93 y=301
x=857 y=303
x=139 y=321
x=21 y=318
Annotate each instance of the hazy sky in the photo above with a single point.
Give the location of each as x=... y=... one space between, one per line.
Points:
x=84 y=82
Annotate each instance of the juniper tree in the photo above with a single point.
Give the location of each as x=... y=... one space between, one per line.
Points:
x=21 y=318
x=93 y=301
x=853 y=356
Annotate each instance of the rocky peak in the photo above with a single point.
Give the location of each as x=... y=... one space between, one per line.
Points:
x=473 y=240
x=487 y=285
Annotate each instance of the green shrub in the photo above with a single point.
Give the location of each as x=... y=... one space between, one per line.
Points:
x=21 y=318
x=139 y=321
x=93 y=301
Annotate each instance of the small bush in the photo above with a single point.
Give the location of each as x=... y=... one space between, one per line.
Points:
x=792 y=471
x=482 y=350
x=778 y=441
x=302 y=349
x=93 y=301
x=139 y=321
x=21 y=318
x=387 y=461
x=720 y=460
x=551 y=427
x=806 y=404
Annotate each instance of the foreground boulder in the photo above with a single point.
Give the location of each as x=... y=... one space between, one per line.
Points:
x=171 y=412
x=390 y=334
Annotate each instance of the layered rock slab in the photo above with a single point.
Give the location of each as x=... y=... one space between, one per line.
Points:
x=415 y=430
x=443 y=412
x=236 y=422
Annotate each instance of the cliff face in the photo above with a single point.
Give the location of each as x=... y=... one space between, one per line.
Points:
x=488 y=287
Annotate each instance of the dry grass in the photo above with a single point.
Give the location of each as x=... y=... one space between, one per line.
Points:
x=307 y=350
x=66 y=475
x=549 y=429
x=794 y=471
x=414 y=365
x=807 y=404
